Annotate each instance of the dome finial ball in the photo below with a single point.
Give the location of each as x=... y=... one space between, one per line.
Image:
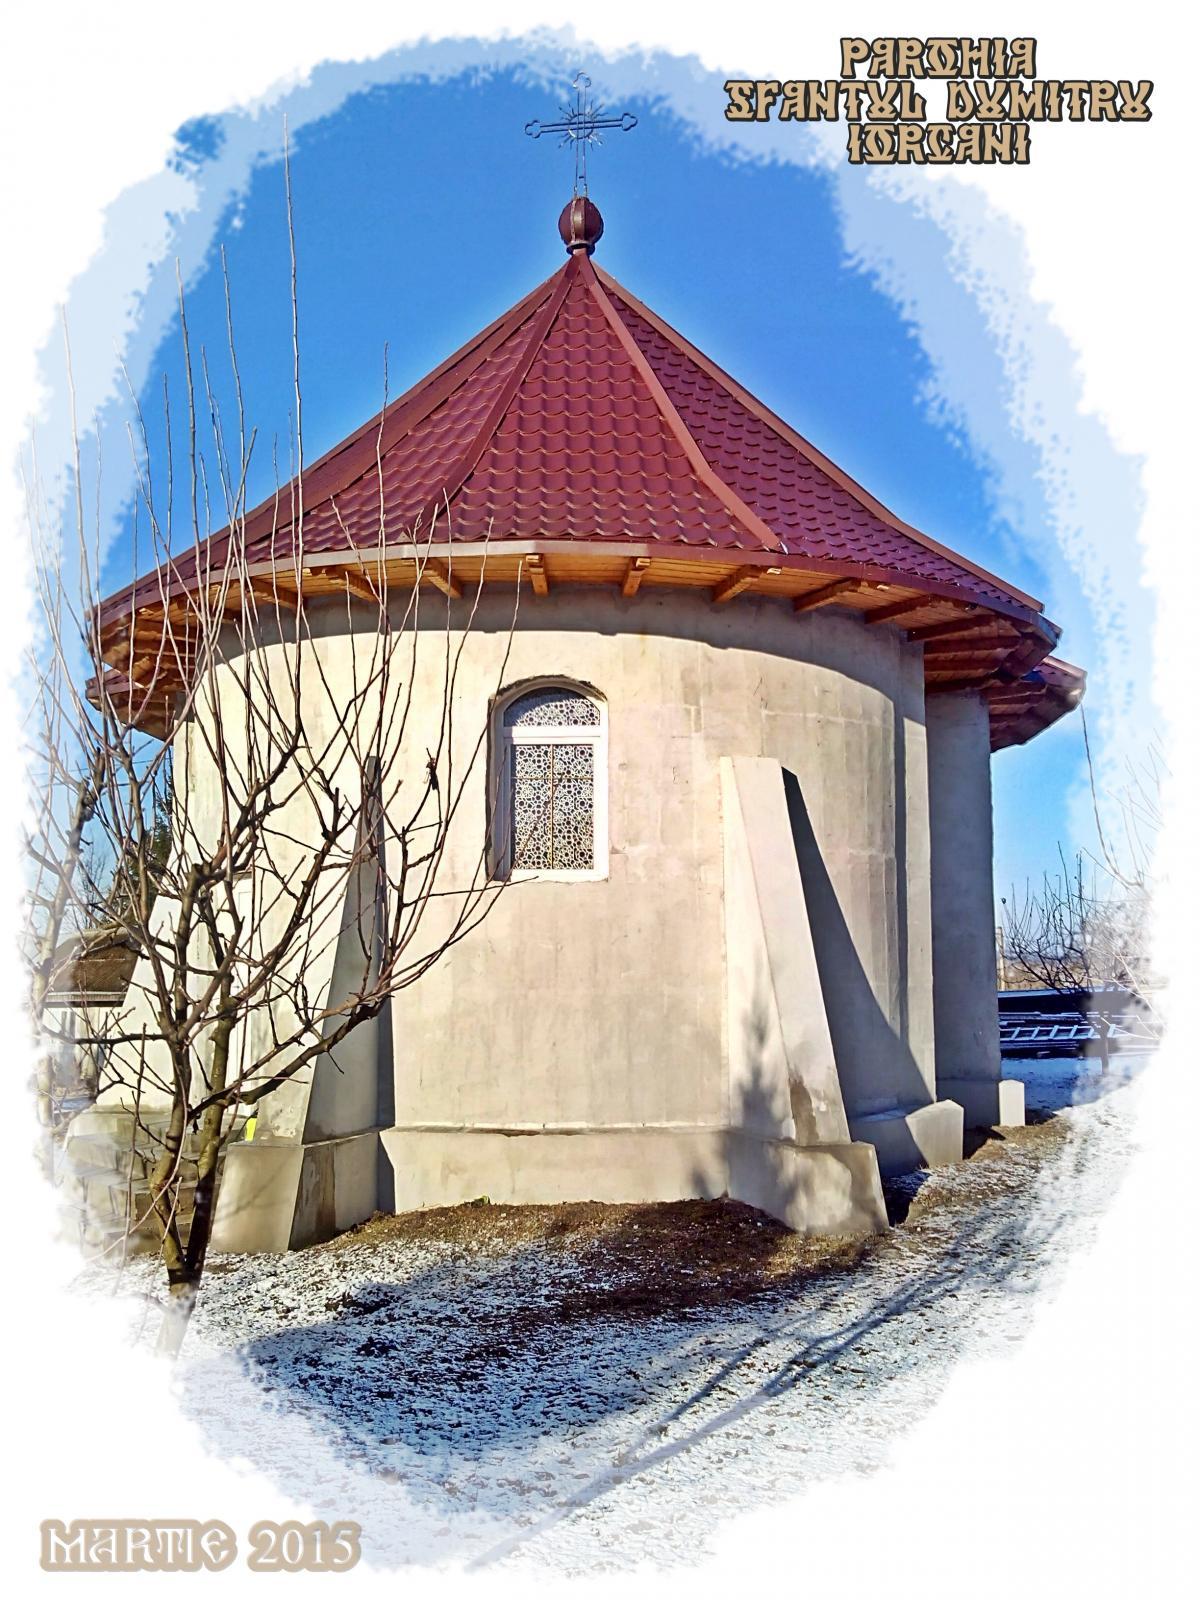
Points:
x=580 y=225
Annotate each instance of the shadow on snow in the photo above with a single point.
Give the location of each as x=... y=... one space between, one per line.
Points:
x=472 y=1367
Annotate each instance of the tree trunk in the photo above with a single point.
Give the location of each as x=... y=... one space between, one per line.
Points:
x=164 y=1198
x=181 y=1302
x=185 y=1281
x=184 y=1276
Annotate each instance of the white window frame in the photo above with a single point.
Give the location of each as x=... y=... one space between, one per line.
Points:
x=506 y=738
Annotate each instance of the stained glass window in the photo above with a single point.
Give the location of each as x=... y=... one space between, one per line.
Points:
x=552 y=739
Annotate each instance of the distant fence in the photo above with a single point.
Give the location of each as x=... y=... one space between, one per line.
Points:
x=1045 y=1022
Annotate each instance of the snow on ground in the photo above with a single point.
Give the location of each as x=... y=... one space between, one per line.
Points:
x=451 y=1403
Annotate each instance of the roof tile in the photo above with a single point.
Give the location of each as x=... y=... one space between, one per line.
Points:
x=580 y=415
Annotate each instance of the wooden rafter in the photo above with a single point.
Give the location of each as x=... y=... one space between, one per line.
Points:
x=964 y=624
x=535 y=567
x=744 y=578
x=900 y=608
x=266 y=591
x=439 y=575
x=224 y=604
x=955 y=685
x=829 y=592
x=635 y=571
x=352 y=578
x=967 y=646
x=160 y=655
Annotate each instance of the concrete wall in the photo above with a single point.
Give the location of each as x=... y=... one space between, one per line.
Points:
x=782 y=1075
x=818 y=1189
x=609 y=1004
x=275 y=1197
x=966 y=1024
x=579 y=1004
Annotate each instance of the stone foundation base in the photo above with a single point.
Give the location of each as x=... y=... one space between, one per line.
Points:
x=987 y=1102
x=277 y=1197
x=814 y=1189
x=930 y=1136
x=103 y=1177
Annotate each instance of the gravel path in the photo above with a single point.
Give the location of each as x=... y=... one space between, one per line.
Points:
x=453 y=1403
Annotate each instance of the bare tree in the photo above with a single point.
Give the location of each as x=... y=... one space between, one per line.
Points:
x=297 y=725
x=1073 y=932
x=65 y=791
x=1086 y=928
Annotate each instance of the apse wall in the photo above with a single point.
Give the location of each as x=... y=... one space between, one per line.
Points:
x=585 y=1003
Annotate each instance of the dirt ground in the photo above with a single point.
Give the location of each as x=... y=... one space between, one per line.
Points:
x=646 y=1260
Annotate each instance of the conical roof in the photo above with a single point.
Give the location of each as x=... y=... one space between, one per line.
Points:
x=579 y=427
x=579 y=415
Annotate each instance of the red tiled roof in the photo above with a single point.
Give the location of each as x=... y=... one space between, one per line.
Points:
x=580 y=416
x=580 y=420
x=812 y=506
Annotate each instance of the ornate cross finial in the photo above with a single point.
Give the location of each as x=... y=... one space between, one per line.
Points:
x=580 y=126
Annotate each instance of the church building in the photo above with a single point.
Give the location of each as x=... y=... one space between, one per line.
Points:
x=742 y=800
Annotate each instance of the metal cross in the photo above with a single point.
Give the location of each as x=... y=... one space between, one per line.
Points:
x=580 y=126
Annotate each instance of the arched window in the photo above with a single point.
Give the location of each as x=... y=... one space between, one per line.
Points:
x=552 y=785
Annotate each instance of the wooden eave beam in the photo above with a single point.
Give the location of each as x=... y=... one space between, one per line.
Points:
x=965 y=624
x=961 y=665
x=140 y=666
x=353 y=578
x=181 y=616
x=266 y=591
x=440 y=576
x=151 y=663
x=955 y=685
x=360 y=585
x=899 y=608
x=965 y=646
x=744 y=578
x=829 y=592
x=635 y=571
x=149 y=652
x=150 y=632
x=195 y=612
x=217 y=606
x=535 y=568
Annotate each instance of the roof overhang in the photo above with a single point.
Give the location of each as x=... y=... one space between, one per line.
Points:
x=580 y=441
x=992 y=648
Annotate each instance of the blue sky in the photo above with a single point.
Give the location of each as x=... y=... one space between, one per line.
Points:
x=422 y=212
